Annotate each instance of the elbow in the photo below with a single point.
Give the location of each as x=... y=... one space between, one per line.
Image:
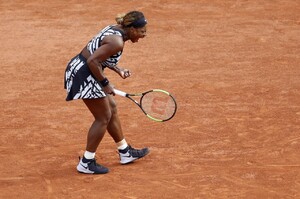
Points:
x=92 y=62
x=89 y=61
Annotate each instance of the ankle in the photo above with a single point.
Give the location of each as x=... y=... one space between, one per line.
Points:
x=123 y=150
x=122 y=144
x=88 y=156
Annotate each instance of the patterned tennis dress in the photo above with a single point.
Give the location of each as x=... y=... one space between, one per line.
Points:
x=79 y=81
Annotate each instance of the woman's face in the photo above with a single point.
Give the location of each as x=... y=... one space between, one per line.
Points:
x=137 y=33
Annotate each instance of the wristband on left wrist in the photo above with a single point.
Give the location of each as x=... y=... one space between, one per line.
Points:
x=104 y=82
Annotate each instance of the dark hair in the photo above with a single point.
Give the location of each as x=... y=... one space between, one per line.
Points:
x=134 y=19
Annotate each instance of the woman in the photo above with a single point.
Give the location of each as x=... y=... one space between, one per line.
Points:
x=85 y=79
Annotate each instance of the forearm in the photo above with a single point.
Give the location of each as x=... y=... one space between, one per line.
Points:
x=96 y=69
x=117 y=69
x=124 y=73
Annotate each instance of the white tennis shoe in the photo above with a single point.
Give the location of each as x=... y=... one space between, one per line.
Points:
x=91 y=167
x=130 y=154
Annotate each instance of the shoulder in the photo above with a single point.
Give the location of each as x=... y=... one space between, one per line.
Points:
x=114 y=41
x=111 y=30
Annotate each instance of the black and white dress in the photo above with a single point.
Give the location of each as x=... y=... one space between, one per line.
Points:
x=79 y=81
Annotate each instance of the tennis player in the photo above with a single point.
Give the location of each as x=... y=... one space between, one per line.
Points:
x=85 y=79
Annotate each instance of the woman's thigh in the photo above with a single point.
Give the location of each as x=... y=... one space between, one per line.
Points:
x=100 y=108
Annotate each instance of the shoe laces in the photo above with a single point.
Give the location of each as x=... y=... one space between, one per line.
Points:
x=135 y=152
x=93 y=161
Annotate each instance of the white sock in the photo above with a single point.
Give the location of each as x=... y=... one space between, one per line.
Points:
x=122 y=144
x=89 y=155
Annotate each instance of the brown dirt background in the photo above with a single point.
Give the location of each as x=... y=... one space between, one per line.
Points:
x=233 y=67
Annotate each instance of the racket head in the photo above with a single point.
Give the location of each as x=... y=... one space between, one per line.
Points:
x=158 y=105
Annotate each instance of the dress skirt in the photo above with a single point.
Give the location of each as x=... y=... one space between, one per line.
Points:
x=79 y=81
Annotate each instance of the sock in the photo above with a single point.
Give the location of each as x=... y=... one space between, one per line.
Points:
x=122 y=144
x=88 y=156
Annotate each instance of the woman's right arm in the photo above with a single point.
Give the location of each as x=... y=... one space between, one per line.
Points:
x=110 y=46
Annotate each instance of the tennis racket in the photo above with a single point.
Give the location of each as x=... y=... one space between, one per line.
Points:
x=156 y=104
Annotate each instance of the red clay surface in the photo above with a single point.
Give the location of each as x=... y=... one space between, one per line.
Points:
x=233 y=67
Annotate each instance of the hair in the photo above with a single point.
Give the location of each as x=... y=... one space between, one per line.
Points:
x=127 y=19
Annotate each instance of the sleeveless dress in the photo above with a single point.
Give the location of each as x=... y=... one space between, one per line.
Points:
x=79 y=81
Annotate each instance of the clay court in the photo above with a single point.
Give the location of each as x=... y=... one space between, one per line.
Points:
x=233 y=67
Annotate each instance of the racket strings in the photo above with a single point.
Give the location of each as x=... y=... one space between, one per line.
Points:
x=158 y=105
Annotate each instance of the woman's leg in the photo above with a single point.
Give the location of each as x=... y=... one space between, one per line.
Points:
x=127 y=153
x=114 y=127
x=100 y=108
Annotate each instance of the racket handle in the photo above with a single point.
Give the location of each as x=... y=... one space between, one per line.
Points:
x=121 y=93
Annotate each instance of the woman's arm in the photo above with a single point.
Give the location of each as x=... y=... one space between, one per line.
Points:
x=110 y=46
x=123 y=72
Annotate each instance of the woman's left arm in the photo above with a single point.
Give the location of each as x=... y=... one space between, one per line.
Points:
x=124 y=73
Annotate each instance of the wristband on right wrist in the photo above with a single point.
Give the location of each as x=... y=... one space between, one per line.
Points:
x=104 y=82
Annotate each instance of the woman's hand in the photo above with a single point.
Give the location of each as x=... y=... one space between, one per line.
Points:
x=124 y=73
x=109 y=89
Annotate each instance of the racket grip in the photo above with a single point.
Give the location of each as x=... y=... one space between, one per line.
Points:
x=118 y=92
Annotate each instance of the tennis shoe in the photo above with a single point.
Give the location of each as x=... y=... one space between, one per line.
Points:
x=130 y=154
x=91 y=167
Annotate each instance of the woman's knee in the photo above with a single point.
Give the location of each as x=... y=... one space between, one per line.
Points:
x=113 y=106
x=104 y=117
